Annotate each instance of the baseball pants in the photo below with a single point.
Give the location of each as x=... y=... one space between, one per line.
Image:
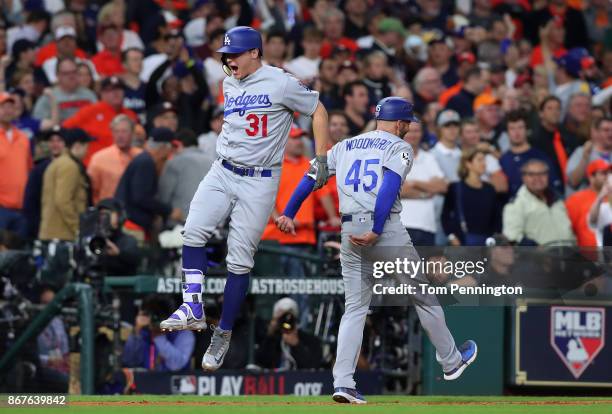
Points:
x=247 y=201
x=358 y=295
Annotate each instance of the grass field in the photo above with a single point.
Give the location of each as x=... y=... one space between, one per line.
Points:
x=149 y=404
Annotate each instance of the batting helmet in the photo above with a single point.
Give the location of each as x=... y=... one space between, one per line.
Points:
x=395 y=108
x=240 y=39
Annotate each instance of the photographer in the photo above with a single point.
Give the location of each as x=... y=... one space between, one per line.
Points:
x=286 y=347
x=122 y=254
x=149 y=348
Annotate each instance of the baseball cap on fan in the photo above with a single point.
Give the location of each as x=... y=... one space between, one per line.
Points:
x=65 y=31
x=285 y=305
x=296 y=132
x=597 y=165
x=447 y=117
x=162 y=135
x=6 y=97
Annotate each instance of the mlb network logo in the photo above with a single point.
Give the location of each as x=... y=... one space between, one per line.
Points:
x=577 y=334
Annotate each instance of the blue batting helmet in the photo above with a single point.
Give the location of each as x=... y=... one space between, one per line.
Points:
x=240 y=39
x=395 y=108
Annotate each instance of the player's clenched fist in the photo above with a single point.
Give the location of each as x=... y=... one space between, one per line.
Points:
x=285 y=224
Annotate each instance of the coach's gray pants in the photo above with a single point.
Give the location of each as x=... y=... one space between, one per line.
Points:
x=358 y=294
x=247 y=201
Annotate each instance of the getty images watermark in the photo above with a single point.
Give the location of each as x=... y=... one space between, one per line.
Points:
x=467 y=273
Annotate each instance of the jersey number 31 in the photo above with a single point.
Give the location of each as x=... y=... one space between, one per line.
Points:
x=352 y=177
x=254 y=122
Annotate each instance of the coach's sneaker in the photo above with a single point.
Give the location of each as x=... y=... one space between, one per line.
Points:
x=348 y=396
x=468 y=351
x=215 y=354
x=184 y=319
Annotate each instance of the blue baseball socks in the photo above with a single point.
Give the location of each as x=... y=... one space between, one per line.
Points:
x=235 y=291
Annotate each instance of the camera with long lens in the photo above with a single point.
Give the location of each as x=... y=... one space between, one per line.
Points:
x=94 y=231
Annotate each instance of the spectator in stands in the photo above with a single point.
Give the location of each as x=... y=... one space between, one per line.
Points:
x=427 y=88
x=108 y=61
x=113 y=14
x=597 y=18
x=65 y=39
x=275 y=49
x=440 y=54
x=32 y=198
x=213 y=67
x=147 y=347
x=578 y=118
x=66 y=191
x=326 y=84
x=333 y=29
x=86 y=77
x=96 y=118
x=107 y=165
x=53 y=343
x=567 y=82
x=520 y=152
x=138 y=186
x=471 y=212
x=185 y=88
x=23 y=58
x=164 y=115
x=487 y=114
x=182 y=174
x=69 y=96
x=537 y=216
x=15 y=163
x=133 y=87
x=424 y=181
x=356 y=12
x=286 y=347
x=465 y=62
x=430 y=127
x=122 y=255
x=376 y=77
x=579 y=204
x=356 y=101
x=446 y=151
x=598 y=147
x=207 y=142
x=24 y=121
x=548 y=137
x=306 y=66
x=470 y=138
x=61 y=19
x=463 y=101
x=389 y=38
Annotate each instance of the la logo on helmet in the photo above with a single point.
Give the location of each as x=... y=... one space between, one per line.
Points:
x=227 y=40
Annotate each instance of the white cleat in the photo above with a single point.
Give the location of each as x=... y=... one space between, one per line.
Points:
x=183 y=319
x=215 y=354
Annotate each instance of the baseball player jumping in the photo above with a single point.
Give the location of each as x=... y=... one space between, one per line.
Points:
x=370 y=169
x=259 y=103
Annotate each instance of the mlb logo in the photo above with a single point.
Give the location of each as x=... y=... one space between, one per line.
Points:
x=577 y=334
x=183 y=384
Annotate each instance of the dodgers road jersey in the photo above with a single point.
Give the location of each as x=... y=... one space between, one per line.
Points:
x=359 y=164
x=258 y=112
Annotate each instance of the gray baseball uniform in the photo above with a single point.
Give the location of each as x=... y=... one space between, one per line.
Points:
x=258 y=112
x=359 y=163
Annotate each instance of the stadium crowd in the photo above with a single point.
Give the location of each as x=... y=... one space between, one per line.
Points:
x=118 y=104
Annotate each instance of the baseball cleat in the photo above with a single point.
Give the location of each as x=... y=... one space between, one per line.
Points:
x=468 y=350
x=183 y=319
x=348 y=396
x=215 y=354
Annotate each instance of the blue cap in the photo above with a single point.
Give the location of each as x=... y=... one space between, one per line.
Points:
x=395 y=108
x=240 y=39
x=570 y=62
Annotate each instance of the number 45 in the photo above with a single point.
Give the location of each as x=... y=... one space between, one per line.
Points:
x=352 y=178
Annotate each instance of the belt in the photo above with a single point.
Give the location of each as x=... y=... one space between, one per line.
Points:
x=245 y=172
x=348 y=217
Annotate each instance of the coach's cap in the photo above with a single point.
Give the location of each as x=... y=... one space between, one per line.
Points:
x=74 y=135
x=597 y=165
x=395 y=108
x=65 y=31
x=161 y=135
x=112 y=82
x=447 y=117
x=162 y=108
x=285 y=305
